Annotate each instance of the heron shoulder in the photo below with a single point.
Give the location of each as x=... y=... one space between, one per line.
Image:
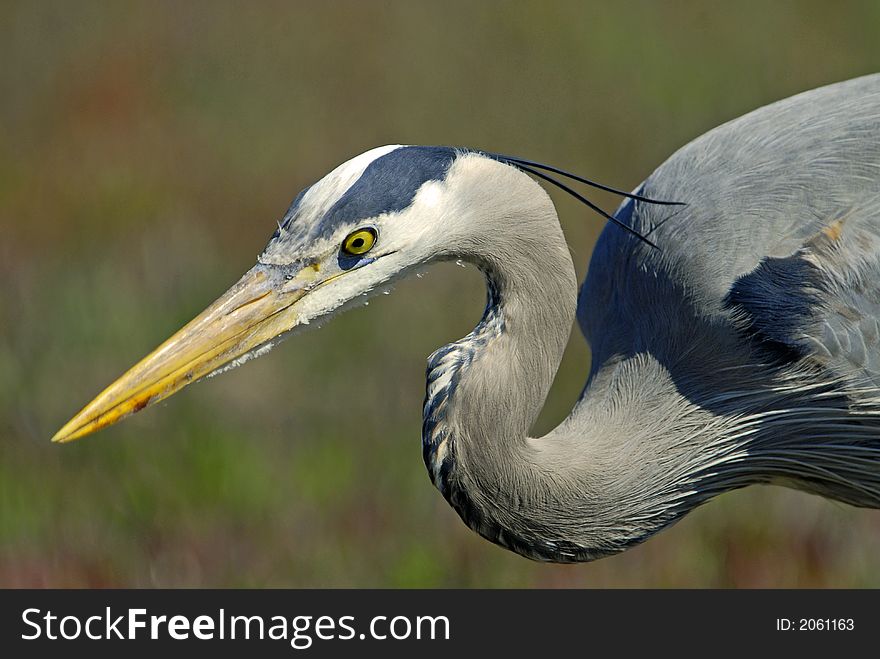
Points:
x=759 y=190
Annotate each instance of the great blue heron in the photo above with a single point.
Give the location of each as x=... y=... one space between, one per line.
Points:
x=735 y=339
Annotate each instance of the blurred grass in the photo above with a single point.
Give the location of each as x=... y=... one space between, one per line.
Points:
x=147 y=149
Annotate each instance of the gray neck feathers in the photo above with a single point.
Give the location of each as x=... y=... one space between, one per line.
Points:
x=485 y=391
x=594 y=485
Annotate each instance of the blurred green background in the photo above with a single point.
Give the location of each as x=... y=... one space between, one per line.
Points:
x=146 y=151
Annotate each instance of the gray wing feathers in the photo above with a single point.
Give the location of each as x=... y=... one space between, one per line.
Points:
x=780 y=230
x=821 y=303
x=764 y=184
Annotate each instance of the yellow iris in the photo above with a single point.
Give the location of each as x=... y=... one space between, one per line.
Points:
x=359 y=242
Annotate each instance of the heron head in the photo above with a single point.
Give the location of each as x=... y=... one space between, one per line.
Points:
x=364 y=224
x=361 y=226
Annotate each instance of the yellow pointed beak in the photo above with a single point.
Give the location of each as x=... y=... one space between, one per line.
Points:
x=253 y=312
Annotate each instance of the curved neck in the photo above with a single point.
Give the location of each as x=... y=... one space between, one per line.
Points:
x=583 y=490
x=564 y=497
x=561 y=497
x=485 y=391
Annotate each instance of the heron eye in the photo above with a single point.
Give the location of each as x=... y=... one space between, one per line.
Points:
x=359 y=242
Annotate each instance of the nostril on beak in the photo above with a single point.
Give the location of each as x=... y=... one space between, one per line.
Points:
x=249 y=302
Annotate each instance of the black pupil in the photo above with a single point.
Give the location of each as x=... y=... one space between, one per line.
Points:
x=357 y=242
